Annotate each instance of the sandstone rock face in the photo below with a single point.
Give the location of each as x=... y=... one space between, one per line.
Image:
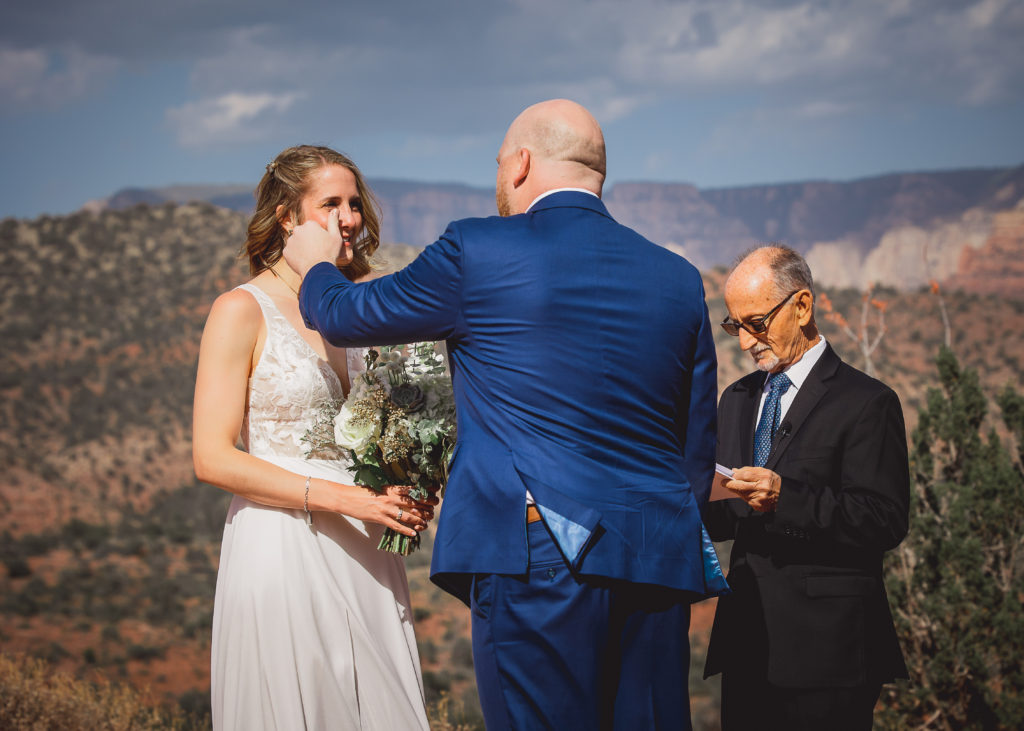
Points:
x=836 y=264
x=996 y=267
x=899 y=259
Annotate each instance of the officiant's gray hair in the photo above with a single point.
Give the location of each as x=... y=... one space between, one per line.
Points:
x=285 y=183
x=790 y=271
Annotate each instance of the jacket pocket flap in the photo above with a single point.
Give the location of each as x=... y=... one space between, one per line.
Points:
x=816 y=586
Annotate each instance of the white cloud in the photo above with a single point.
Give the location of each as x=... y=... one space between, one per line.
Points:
x=45 y=78
x=394 y=68
x=822 y=109
x=619 y=57
x=232 y=117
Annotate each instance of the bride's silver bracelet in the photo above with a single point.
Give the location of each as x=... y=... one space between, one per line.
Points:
x=305 y=503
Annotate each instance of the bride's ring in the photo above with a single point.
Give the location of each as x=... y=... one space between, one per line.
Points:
x=399 y=518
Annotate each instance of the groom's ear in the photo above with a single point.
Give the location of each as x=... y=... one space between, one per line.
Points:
x=523 y=169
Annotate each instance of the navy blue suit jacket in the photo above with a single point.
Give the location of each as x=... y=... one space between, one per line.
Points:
x=584 y=371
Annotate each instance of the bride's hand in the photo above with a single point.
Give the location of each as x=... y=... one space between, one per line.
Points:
x=393 y=508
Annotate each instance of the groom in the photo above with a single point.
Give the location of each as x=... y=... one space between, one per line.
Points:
x=584 y=374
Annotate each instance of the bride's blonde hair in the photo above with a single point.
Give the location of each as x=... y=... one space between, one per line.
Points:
x=285 y=183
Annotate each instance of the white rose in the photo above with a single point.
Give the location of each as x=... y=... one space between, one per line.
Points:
x=354 y=435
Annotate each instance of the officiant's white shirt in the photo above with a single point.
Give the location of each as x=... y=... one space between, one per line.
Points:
x=797 y=373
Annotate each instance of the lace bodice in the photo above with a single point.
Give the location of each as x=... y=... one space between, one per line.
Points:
x=289 y=389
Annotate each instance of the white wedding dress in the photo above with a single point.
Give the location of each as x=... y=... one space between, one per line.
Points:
x=312 y=629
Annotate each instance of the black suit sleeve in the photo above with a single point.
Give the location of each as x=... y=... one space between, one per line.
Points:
x=722 y=516
x=861 y=501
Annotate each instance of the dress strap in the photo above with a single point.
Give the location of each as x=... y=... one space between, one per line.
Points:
x=277 y=325
x=261 y=297
x=270 y=311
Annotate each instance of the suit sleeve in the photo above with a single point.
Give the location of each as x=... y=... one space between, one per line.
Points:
x=421 y=302
x=701 y=418
x=869 y=508
x=722 y=516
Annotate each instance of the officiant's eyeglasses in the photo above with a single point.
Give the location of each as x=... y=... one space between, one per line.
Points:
x=755 y=325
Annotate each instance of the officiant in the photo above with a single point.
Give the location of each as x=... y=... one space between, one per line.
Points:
x=806 y=639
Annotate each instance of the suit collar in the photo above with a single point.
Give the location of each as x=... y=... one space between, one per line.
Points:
x=570 y=199
x=807 y=398
x=750 y=388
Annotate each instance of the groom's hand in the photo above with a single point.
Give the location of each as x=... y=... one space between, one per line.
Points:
x=310 y=244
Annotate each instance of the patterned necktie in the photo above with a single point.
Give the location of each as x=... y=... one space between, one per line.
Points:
x=778 y=384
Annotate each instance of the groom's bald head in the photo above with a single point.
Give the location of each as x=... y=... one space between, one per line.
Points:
x=561 y=131
x=553 y=144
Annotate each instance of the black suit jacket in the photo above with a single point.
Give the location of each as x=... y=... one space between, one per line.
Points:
x=808 y=607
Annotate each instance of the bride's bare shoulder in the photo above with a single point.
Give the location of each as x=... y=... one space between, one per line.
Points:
x=236 y=307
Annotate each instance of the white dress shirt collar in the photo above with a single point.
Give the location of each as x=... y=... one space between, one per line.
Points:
x=546 y=193
x=799 y=371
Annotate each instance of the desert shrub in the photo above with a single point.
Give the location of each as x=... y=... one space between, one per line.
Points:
x=89 y=535
x=428 y=651
x=17 y=567
x=144 y=652
x=196 y=705
x=54 y=652
x=462 y=653
x=435 y=683
x=452 y=629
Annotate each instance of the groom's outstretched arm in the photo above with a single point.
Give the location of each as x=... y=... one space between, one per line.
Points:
x=421 y=302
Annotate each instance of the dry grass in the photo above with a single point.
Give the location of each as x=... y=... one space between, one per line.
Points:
x=34 y=696
x=440 y=715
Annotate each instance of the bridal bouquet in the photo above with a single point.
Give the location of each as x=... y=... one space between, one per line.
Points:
x=398 y=426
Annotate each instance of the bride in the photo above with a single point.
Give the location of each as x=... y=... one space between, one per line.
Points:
x=312 y=625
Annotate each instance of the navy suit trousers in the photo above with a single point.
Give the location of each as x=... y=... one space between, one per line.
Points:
x=555 y=651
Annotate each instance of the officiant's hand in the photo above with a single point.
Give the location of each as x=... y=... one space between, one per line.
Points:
x=310 y=243
x=757 y=486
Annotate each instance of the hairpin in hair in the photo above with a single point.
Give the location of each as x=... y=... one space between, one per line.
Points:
x=271 y=167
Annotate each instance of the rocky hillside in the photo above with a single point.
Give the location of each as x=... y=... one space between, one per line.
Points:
x=900 y=230
x=109 y=546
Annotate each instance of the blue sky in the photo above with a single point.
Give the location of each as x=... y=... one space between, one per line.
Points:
x=96 y=95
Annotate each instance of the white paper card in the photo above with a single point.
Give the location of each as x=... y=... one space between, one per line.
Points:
x=718 y=489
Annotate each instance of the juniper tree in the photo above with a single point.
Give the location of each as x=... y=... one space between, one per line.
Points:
x=956 y=584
